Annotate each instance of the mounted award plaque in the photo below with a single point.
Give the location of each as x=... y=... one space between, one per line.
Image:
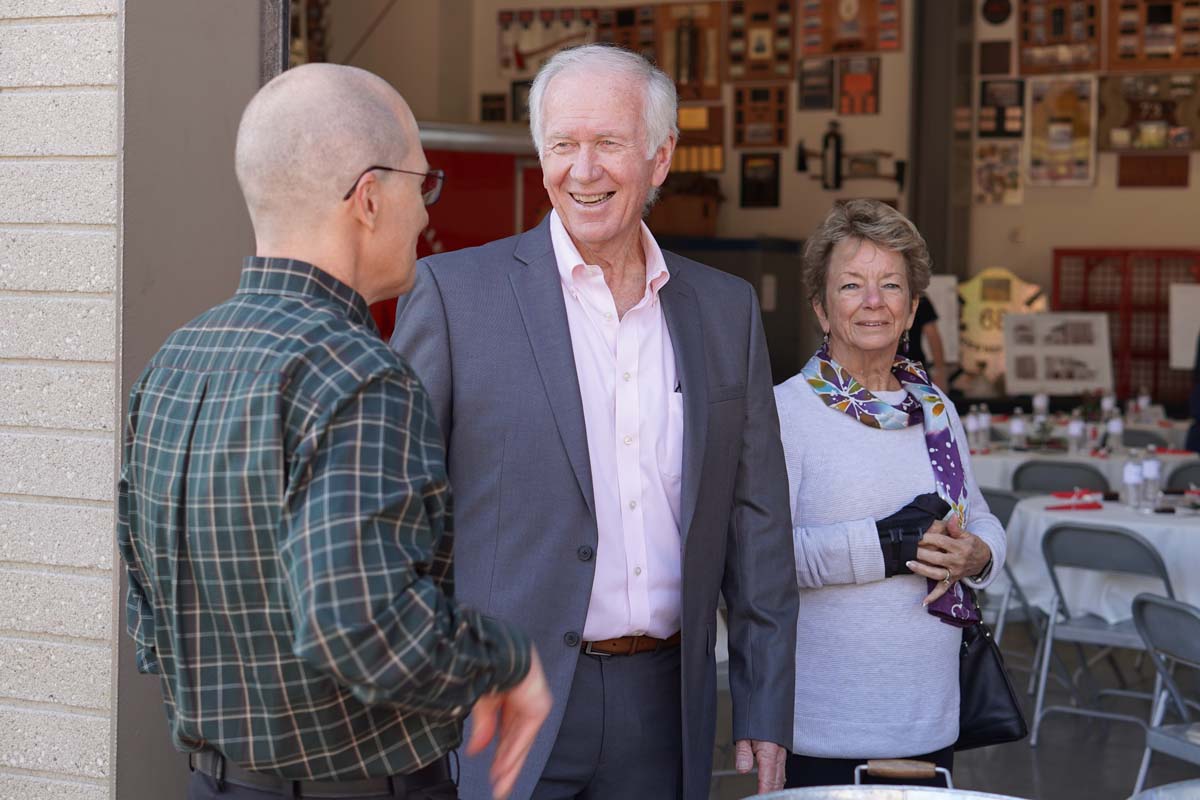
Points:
x=1059 y=36
x=1153 y=34
x=759 y=39
x=760 y=115
x=689 y=48
x=830 y=27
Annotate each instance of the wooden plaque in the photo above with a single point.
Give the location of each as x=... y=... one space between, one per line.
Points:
x=830 y=27
x=1153 y=34
x=701 y=145
x=1059 y=36
x=759 y=43
x=632 y=27
x=1134 y=170
x=689 y=48
x=760 y=114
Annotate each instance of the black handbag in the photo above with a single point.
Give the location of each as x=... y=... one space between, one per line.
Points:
x=988 y=709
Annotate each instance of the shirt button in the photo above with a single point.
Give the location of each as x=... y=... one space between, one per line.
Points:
x=571 y=639
x=628 y=440
x=627 y=376
x=639 y=633
x=637 y=571
x=608 y=315
x=585 y=553
x=632 y=504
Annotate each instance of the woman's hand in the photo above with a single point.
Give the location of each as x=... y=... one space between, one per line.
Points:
x=947 y=553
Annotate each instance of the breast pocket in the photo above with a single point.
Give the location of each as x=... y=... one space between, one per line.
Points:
x=670 y=442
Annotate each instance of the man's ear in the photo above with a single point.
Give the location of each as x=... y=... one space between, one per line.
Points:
x=364 y=203
x=662 y=160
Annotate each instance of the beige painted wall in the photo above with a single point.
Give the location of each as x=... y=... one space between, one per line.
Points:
x=416 y=45
x=1022 y=237
x=59 y=66
x=803 y=204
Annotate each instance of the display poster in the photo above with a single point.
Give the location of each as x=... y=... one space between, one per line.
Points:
x=998 y=173
x=942 y=293
x=986 y=300
x=1058 y=353
x=1001 y=109
x=858 y=86
x=1183 y=324
x=1061 y=118
x=1155 y=113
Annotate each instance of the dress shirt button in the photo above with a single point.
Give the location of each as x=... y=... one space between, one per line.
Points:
x=585 y=553
x=571 y=639
x=637 y=571
x=608 y=315
x=632 y=504
x=627 y=376
x=639 y=633
x=628 y=440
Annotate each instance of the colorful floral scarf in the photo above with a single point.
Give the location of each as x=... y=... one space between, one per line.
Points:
x=922 y=405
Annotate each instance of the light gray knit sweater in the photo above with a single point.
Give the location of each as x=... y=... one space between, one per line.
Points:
x=876 y=674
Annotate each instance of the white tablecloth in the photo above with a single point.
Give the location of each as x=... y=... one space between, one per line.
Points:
x=1110 y=596
x=995 y=470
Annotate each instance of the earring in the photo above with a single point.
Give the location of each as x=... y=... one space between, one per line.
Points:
x=825 y=339
x=904 y=342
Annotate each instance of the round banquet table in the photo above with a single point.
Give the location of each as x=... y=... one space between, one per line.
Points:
x=994 y=470
x=1107 y=595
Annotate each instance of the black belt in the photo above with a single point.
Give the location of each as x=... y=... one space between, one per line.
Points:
x=213 y=764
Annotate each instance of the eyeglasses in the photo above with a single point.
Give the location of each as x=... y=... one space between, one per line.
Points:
x=431 y=186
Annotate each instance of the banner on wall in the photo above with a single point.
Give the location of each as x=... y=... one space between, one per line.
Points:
x=986 y=300
x=1062 y=125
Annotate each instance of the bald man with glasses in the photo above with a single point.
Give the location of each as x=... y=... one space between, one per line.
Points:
x=284 y=512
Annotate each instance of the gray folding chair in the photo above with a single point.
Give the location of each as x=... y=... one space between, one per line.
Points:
x=1002 y=503
x=1134 y=437
x=1183 y=790
x=1039 y=475
x=1099 y=548
x=1184 y=476
x=1171 y=632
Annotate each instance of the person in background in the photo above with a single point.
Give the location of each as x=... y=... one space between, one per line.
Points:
x=283 y=509
x=888 y=522
x=613 y=440
x=924 y=328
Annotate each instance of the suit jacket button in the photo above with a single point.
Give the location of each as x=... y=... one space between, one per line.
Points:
x=571 y=639
x=585 y=553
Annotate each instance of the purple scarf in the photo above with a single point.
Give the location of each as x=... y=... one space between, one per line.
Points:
x=922 y=405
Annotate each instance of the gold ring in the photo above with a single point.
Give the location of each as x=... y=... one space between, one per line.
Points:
x=946 y=580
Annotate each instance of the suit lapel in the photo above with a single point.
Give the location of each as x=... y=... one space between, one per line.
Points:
x=539 y=296
x=687 y=340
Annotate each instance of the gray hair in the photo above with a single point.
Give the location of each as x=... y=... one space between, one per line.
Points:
x=865 y=221
x=660 y=103
x=305 y=136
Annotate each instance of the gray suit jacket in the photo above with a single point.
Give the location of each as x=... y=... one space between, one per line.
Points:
x=486 y=330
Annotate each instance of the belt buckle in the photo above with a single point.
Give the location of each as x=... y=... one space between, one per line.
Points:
x=587 y=648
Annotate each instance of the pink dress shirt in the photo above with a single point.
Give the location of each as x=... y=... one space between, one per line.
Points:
x=633 y=416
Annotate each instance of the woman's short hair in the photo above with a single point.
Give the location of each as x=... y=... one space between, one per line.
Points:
x=660 y=103
x=866 y=221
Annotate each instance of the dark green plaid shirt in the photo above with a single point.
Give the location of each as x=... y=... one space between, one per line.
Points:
x=284 y=514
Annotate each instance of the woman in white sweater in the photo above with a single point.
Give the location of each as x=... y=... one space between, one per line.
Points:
x=888 y=522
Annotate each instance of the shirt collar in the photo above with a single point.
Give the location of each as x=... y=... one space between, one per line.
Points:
x=571 y=264
x=291 y=277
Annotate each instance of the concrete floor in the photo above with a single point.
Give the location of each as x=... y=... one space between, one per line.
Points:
x=1077 y=758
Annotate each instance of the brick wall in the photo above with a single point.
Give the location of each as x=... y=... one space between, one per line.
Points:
x=59 y=66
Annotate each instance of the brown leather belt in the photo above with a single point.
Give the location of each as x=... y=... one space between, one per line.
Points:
x=629 y=645
x=213 y=764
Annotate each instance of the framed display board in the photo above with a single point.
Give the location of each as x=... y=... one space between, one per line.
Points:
x=998 y=173
x=528 y=37
x=760 y=180
x=760 y=114
x=1153 y=34
x=1149 y=113
x=689 y=48
x=701 y=145
x=631 y=27
x=830 y=27
x=858 y=86
x=759 y=39
x=1001 y=109
x=1061 y=116
x=815 y=84
x=986 y=300
x=1059 y=36
x=1057 y=353
x=1184 y=324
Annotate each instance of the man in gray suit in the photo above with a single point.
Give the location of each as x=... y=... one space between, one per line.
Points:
x=613 y=444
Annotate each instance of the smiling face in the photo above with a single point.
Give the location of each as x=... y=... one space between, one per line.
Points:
x=868 y=304
x=594 y=163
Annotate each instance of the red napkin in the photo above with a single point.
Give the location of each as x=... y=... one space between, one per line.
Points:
x=1165 y=423
x=1098 y=454
x=1093 y=506
x=1077 y=494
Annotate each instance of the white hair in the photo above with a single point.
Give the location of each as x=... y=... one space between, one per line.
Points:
x=659 y=106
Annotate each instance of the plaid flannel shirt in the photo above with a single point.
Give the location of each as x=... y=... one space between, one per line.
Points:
x=284 y=515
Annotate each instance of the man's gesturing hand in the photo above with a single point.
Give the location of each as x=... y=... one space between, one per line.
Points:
x=518 y=714
x=770 y=758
